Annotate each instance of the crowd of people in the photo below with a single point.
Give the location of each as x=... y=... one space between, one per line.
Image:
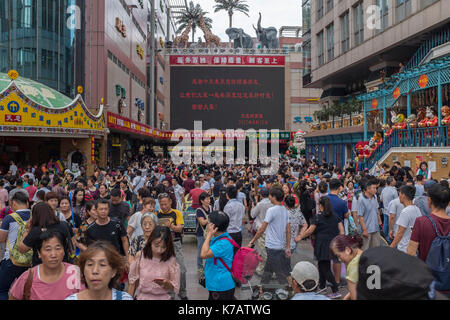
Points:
x=118 y=234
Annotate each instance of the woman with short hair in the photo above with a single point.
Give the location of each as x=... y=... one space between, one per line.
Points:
x=348 y=250
x=148 y=222
x=101 y=267
x=424 y=171
x=52 y=279
x=202 y=220
x=219 y=252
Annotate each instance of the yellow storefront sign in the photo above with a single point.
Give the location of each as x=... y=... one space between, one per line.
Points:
x=16 y=111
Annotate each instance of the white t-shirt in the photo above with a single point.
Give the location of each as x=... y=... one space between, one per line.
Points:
x=135 y=223
x=277 y=218
x=407 y=218
x=206 y=186
x=138 y=183
x=395 y=207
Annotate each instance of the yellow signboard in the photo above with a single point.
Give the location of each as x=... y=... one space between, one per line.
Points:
x=140 y=51
x=16 y=112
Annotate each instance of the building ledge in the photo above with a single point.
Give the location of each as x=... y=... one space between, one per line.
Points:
x=329 y=132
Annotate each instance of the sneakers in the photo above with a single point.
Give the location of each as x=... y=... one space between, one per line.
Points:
x=335 y=295
x=321 y=290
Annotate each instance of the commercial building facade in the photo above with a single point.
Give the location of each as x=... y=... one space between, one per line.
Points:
x=40 y=39
x=360 y=46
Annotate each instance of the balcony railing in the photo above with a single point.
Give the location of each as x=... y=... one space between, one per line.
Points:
x=418 y=137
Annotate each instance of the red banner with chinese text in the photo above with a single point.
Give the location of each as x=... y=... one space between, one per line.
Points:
x=232 y=60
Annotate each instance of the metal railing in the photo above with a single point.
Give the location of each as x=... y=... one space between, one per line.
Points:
x=417 y=137
x=437 y=39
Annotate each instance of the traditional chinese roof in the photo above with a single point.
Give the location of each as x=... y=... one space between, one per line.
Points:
x=38 y=92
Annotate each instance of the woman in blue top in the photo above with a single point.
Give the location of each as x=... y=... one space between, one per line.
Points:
x=219 y=281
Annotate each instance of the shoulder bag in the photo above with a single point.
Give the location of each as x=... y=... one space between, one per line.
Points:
x=199 y=224
x=28 y=285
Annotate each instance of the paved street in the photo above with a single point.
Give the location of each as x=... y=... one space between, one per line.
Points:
x=304 y=252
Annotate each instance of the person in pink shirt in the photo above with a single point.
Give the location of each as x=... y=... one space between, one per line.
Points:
x=31 y=189
x=3 y=195
x=53 y=279
x=155 y=271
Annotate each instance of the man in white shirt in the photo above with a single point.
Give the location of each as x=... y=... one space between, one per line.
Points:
x=13 y=168
x=395 y=208
x=407 y=218
x=278 y=239
x=204 y=184
x=259 y=214
x=138 y=182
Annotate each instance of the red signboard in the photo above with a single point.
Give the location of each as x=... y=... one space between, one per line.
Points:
x=396 y=93
x=374 y=103
x=13 y=118
x=231 y=60
x=423 y=81
x=92 y=150
x=124 y=124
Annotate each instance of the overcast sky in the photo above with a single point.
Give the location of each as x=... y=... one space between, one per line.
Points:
x=275 y=13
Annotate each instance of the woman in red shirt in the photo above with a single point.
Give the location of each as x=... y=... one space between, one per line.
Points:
x=31 y=189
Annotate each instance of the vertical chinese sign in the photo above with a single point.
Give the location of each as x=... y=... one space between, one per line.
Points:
x=92 y=150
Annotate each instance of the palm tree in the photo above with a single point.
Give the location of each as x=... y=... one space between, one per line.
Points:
x=232 y=6
x=194 y=13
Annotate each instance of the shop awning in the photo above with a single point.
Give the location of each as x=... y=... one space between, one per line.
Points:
x=30 y=108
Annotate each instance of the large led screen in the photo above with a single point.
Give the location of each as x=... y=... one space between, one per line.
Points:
x=227 y=97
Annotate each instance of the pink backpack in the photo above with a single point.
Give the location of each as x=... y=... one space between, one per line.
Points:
x=245 y=262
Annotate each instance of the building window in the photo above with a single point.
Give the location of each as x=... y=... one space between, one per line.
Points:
x=345 y=32
x=426 y=3
x=384 y=12
x=330 y=4
x=330 y=42
x=320 y=49
x=306 y=58
x=402 y=9
x=319 y=9
x=306 y=16
x=358 y=23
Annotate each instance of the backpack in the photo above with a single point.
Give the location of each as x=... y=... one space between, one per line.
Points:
x=17 y=258
x=245 y=262
x=438 y=259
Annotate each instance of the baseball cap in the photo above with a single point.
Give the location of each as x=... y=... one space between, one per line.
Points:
x=304 y=271
x=201 y=176
x=264 y=191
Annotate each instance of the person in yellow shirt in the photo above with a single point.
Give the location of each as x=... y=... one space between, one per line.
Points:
x=348 y=250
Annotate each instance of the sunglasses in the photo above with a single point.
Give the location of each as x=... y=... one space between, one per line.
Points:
x=162 y=196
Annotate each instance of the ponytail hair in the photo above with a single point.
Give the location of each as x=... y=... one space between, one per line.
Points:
x=341 y=242
x=326 y=204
